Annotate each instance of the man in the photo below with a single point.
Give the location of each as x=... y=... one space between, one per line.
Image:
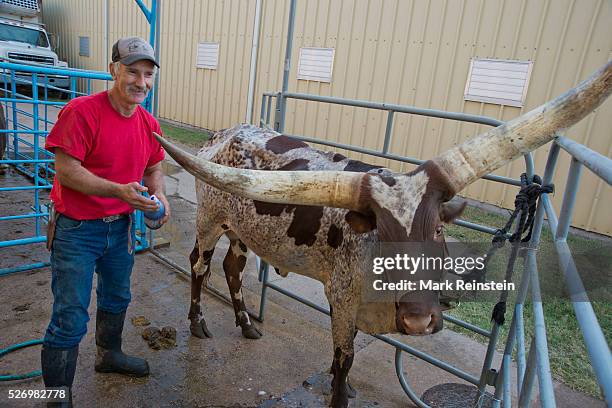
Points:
x=103 y=147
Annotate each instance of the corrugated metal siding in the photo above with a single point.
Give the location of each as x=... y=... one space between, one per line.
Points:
x=397 y=51
x=418 y=53
x=208 y=98
x=71 y=20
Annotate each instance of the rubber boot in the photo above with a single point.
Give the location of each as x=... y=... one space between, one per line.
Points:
x=110 y=358
x=58 y=367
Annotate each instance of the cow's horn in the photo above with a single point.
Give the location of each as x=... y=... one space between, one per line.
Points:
x=489 y=151
x=339 y=189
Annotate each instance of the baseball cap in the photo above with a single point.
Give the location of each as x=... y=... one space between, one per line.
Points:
x=128 y=50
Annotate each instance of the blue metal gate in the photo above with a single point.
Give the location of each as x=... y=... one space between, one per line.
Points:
x=28 y=119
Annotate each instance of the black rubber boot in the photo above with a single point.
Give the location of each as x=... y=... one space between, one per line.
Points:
x=110 y=358
x=58 y=367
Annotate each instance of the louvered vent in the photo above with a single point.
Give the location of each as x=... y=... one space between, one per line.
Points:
x=316 y=64
x=503 y=82
x=208 y=55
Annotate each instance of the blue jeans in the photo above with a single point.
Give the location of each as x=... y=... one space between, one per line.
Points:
x=80 y=248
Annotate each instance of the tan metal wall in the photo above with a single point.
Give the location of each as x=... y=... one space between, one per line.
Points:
x=409 y=52
x=71 y=19
x=213 y=99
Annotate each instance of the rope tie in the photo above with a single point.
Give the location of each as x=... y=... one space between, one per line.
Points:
x=525 y=204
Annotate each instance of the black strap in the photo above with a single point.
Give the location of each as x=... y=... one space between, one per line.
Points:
x=525 y=204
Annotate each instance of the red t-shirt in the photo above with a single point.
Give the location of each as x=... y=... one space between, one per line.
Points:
x=109 y=145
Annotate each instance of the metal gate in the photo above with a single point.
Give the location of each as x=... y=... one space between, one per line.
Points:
x=27 y=121
x=530 y=365
x=29 y=112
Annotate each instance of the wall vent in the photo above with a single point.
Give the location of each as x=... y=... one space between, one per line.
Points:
x=84 y=46
x=208 y=55
x=503 y=82
x=316 y=64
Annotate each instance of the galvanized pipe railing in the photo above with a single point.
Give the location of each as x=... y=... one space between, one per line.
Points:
x=391 y=108
x=486 y=374
x=537 y=363
x=594 y=339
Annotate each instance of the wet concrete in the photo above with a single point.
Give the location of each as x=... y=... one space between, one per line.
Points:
x=170 y=168
x=224 y=371
x=227 y=370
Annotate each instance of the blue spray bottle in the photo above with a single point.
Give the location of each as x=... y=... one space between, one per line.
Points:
x=153 y=218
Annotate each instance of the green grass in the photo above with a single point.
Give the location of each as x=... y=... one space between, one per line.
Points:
x=568 y=356
x=189 y=136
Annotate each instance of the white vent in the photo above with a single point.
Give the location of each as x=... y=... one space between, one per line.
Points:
x=316 y=64
x=503 y=82
x=208 y=55
x=84 y=46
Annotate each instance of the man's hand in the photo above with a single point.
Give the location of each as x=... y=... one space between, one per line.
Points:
x=154 y=179
x=164 y=201
x=131 y=194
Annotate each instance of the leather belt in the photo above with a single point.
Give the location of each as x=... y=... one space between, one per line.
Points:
x=112 y=218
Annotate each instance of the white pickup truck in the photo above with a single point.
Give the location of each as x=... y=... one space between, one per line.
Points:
x=24 y=40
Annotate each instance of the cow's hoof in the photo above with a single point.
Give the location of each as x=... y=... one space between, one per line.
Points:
x=251 y=332
x=199 y=329
x=248 y=329
x=339 y=402
x=350 y=391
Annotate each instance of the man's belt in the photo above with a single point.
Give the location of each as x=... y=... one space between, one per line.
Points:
x=112 y=218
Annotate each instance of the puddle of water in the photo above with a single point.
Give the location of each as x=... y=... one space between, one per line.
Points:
x=313 y=394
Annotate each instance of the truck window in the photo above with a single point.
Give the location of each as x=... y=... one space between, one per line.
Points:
x=24 y=35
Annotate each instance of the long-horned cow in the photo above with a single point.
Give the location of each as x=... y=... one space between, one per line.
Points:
x=317 y=213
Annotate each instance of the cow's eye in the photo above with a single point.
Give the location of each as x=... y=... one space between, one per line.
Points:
x=439 y=230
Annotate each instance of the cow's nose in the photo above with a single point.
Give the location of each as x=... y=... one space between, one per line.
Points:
x=420 y=325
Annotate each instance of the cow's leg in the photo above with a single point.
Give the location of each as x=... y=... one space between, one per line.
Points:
x=350 y=390
x=200 y=272
x=343 y=332
x=233 y=265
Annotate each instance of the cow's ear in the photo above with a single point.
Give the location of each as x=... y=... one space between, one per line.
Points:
x=359 y=222
x=451 y=210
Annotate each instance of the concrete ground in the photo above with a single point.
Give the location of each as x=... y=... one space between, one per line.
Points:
x=227 y=370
